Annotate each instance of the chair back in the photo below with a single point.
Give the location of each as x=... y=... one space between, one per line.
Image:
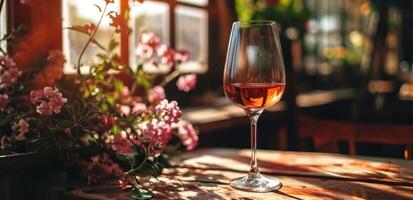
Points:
x=327 y=133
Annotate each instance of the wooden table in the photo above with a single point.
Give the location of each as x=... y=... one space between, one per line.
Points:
x=204 y=174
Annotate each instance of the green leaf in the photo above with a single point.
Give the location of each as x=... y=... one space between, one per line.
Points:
x=6 y=120
x=141 y=194
x=81 y=29
x=122 y=156
x=65 y=124
x=112 y=45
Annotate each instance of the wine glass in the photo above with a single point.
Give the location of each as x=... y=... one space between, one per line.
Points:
x=254 y=79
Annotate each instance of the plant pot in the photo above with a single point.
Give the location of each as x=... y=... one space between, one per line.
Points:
x=11 y=172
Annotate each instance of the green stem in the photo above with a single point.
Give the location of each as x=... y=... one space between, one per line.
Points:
x=169 y=78
x=89 y=41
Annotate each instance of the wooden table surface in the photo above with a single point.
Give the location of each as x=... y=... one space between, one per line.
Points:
x=205 y=173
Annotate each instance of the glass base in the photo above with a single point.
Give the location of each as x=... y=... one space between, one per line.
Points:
x=256 y=183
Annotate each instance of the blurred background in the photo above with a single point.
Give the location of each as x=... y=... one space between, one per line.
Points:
x=347 y=61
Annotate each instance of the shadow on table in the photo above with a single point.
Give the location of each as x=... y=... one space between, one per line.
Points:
x=329 y=187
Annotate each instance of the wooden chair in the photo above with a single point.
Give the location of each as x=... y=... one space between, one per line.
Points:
x=325 y=134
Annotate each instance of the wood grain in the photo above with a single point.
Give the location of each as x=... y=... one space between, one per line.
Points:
x=204 y=174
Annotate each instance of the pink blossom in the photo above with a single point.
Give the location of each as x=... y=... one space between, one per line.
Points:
x=182 y=56
x=121 y=143
x=169 y=111
x=186 y=82
x=7 y=62
x=157 y=134
x=107 y=122
x=23 y=127
x=99 y=167
x=150 y=39
x=144 y=51
x=156 y=95
x=8 y=72
x=48 y=100
x=124 y=110
x=4 y=103
x=188 y=136
x=138 y=108
x=167 y=55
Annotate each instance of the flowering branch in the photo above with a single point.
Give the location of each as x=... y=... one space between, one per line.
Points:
x=169 y=78
x=91 y=37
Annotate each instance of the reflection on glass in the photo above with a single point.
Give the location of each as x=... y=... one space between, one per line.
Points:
x=149 y=16
x=195 y=2
x=192 y=34
x=81 y=12
x=3 y=25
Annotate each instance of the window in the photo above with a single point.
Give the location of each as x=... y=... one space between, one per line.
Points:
x=80 y=12
x=176 y=22
x=339 y=34
x=149 y=16
x=192 y=33
x=3 y=24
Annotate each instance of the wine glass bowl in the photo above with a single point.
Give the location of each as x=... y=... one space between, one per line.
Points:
x=254 y=79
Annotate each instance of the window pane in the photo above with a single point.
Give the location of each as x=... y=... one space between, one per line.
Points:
x=3 y=25
x=192 y=35
x=195 y=2
x=81 y=12
x=149 y=16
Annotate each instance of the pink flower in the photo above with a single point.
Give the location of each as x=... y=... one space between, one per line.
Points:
x=107 y=122
x=188 y=136
x=150 y=39
x=182 y=56
x=157 y=134
x=121 y=143
x=139 y=108
x=167 y=55
x=23 y=127
x=186 y=82
x=48 y=100
x=156 y=95
x=124 y=110
x=8 y=72
x=170 y=112
x=7 y=62
x=4 y=103
x=99 y=167
x=9 y=77
x=144 y=51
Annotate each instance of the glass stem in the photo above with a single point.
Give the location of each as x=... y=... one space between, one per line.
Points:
x=254 y=115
